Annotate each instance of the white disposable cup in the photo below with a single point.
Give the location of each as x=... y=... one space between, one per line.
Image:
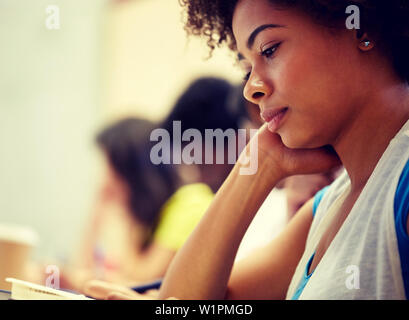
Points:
x=16 y=245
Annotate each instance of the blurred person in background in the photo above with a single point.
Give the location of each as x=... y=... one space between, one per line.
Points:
x=119 y=242
x=145 y=212
x=300 y=188
x=209 y=103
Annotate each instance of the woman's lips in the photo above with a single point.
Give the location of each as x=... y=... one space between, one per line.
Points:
x=274 y=117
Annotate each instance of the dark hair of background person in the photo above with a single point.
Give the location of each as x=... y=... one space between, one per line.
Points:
x=385 y=21
x=127 y=146
x=208 y=103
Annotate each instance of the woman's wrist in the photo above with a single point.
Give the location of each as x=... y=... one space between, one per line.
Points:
x=263 y=170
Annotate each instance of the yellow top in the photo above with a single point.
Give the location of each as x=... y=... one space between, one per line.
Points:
x=181 y=213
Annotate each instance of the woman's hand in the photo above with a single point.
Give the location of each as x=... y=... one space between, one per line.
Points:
x=287 y=162
x=150 y=295
x=109 y=291
x=201 y=268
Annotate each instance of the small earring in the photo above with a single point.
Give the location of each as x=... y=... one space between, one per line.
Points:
x=366 y=45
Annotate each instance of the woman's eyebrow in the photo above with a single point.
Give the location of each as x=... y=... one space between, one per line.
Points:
x=256 y=31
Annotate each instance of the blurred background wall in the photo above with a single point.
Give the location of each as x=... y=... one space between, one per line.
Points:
x=148 y=60
x=58 y=86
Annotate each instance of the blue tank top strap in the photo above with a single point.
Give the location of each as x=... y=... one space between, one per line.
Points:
x=401 y=209
x=304 y=279
x=317 y=199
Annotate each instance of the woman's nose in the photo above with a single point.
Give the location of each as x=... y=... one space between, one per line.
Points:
x=256 y=89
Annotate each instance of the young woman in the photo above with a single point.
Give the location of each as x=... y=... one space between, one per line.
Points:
x=146 y=212
x=328 y=94
x=120 y=242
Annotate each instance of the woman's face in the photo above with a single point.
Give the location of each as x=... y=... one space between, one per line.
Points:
x=112 y=187
x=298 y=67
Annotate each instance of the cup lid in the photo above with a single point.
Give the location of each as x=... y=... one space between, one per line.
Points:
x=18 y=233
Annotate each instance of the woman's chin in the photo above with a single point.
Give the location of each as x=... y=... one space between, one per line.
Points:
x=295 y=142
x=291 y=142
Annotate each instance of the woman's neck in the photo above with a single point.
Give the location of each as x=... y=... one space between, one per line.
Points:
x=364 y=140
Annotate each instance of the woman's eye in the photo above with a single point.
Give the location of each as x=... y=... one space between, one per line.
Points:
x=269 y=52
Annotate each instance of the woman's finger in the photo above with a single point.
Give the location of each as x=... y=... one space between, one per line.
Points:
x=118 y=296
x=121 y=296
x=100 y=289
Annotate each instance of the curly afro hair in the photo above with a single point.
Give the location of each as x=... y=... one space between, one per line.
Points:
x=386 y=21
